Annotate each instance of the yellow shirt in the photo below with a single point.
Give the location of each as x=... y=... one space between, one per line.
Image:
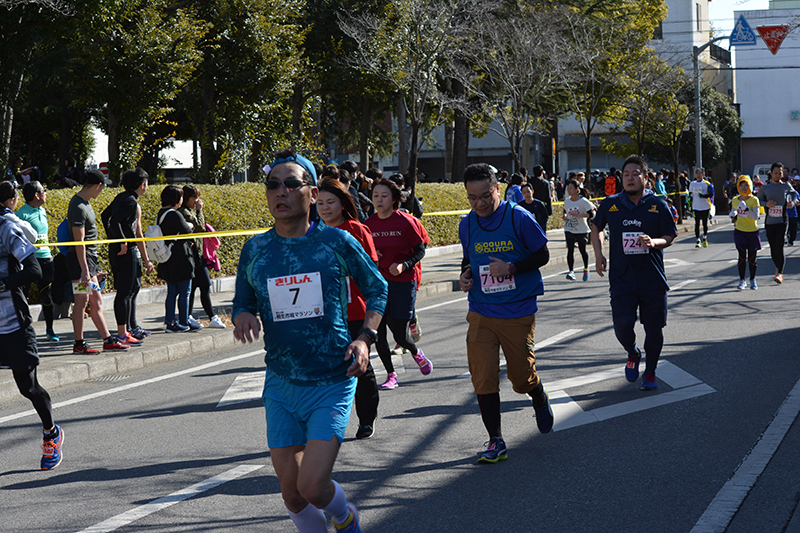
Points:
x=743 y=222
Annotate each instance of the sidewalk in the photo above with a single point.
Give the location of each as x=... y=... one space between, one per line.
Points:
x=58 y=366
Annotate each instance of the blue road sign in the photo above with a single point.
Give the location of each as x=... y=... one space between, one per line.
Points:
x=742 y=33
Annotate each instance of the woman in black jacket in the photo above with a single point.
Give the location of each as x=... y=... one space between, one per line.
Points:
x=178 y=270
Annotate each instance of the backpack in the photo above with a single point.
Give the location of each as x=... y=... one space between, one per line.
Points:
x=158 y=250
x=63 y=235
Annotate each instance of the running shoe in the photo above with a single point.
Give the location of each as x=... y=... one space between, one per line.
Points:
x=129 y=340
x=586 y=274
x=649 y=382
x=84 y=349
x=778 y=278
x=544 y=415
x=632 y=368
x=51 y=336
x=176 y=328
x=352 y=524
x=216 y=323
x=115 y=346
x=140 y=333
x=705 y=243
x=399 y=350
x=753 y=284
x=194 y=324
x=697 y=244
x=416 y=331
x=425 y=366
x=51 y=451
x=495 y=451
x=365 y=431
x=570 y=276
x=391 y=382
x=741 y=285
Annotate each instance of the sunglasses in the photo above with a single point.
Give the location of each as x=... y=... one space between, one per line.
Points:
x=290 y=184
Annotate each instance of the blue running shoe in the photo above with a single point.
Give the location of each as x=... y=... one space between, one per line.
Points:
x=649 y=382
x=51 y=450
x=495 y=451
x=51 y=336
x=352 y=524
x=753 y=284
x=544 y=415
x=632 y=368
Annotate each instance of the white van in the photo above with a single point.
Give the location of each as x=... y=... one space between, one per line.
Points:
x=762 y=171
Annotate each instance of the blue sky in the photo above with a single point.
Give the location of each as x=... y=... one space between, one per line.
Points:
x=720 y=12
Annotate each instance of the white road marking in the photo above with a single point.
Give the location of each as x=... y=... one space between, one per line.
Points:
x=434 y=306
x=540 y=344
x=127 y=517
x=569 y=414
x=673 y=262
x=726 y=503
x=556 y=274
x=682 y=284
x=132 y=386
x=246 y=387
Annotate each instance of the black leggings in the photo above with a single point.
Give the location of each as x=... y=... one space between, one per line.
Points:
x=202 y=281
x=747 y=256
x=698 y=216
x=775 y=233
x=127 y=270
x=399 y=329
x=28 y=386
x=44 y=285
x=581 y=239
x=367 y=395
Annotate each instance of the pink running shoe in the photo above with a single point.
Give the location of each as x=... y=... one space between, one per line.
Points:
x=425 y=366
x=391 y=382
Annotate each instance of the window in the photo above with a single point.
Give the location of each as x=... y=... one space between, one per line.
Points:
x=699 y=17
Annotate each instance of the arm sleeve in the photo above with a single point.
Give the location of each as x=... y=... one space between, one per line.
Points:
x=416 y=256
x=537 y=259
x=31 y=271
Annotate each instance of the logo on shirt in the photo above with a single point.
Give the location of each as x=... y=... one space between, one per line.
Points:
x=493 y=247
x=613 y=209
x=387 y=234
x=653 y=209
x=636 y=223
x=292 y=280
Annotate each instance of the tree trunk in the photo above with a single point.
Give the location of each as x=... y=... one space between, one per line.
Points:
x=64 y=141
x=149 y=159
x=297 y=114
x=254 y=170
x=366 y=127
x=8 y=110
x=460 y=138
x=402 y=137
x=208 y=155
x=587 y=143
x=114 y=135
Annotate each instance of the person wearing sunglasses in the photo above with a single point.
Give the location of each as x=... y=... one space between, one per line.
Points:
x=295 y=276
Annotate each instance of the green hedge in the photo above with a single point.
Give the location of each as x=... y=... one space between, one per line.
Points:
x=244 y=206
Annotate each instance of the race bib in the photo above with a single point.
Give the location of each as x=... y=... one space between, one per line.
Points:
x=295 y=297
x=696 y=187
x=776 y=211
x=491 y=284
x=42 y=238
x=631 y=244
x=574 y=212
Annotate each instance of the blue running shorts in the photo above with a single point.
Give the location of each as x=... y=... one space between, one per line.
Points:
x=296 y=413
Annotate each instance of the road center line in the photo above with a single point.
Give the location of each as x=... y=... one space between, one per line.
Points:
x=127 y=517
x=726 y=503
x=132 y=385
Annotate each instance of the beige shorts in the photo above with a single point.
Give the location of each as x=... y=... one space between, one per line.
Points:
x=485 y=336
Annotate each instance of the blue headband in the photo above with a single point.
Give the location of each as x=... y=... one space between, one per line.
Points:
x=302 y=161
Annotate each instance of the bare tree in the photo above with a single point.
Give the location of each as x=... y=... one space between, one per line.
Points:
x=412 y=48
x=517 y=60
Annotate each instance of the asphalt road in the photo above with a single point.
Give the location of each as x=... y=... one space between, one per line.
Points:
x=714 y=449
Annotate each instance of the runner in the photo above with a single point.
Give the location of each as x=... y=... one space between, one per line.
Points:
x=18 y=351
x=774 y=196
x=503 y=249
x=400 y=247
x=295 y=277
x=577 y=210
x=702 y=192
x=336 y=209
x=746 y=236
x=640 y=226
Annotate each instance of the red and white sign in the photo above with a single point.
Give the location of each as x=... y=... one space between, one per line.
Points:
x=773 y=36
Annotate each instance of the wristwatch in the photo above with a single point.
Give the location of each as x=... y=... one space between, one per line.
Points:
x=512 y=268
x=369 y=333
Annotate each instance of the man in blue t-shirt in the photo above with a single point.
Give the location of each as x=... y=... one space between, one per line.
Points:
x=503 y=249
x=640 y=225
x=295 y=277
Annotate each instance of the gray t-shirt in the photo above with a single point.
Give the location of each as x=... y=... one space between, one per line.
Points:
x=81 y=215
x=777 y=192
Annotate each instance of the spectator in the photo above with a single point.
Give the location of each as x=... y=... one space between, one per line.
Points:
x=513 y=191
x=178 y=270
x=541 y=188
x=192 y=211
x=534 y=206
x=83 y=268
